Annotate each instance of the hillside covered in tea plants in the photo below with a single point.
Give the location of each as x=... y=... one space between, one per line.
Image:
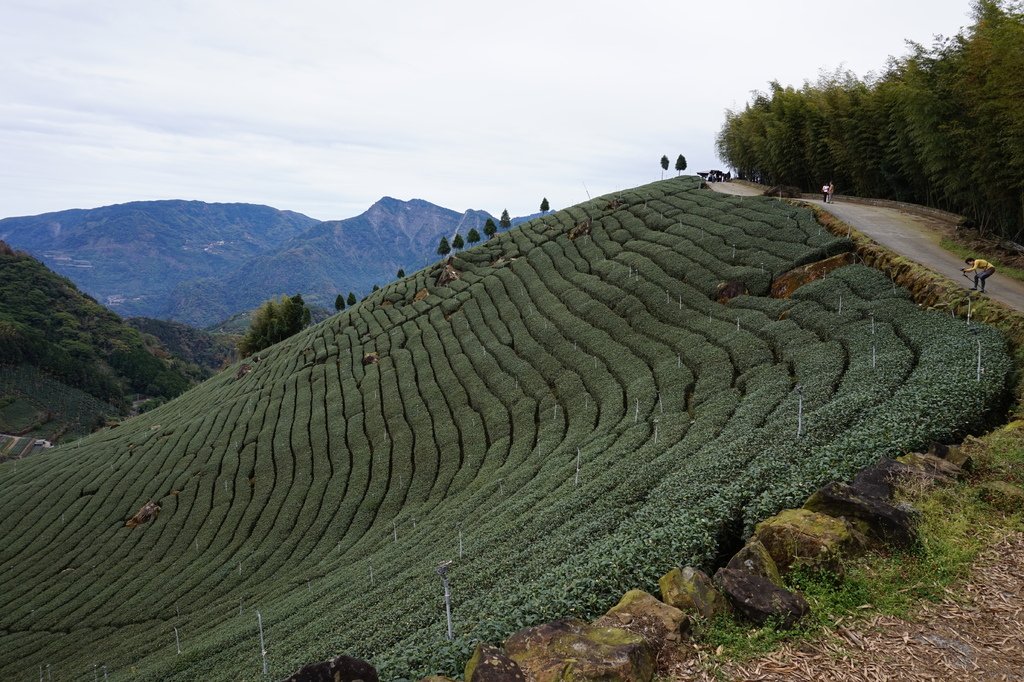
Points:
x=564 y=412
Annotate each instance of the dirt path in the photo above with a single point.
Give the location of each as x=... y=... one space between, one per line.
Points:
x=976 y=633
x=912 y=236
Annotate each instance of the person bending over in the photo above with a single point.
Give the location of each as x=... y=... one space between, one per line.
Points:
x=982 y=270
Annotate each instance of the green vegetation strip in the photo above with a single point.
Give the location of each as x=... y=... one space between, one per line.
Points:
x=324 y=485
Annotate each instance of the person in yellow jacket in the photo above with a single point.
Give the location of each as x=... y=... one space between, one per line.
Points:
x=982 y=270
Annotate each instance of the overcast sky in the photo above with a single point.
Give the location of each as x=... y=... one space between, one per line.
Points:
x=324 y=106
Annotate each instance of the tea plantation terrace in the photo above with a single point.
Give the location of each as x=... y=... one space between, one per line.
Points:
x=571 y=417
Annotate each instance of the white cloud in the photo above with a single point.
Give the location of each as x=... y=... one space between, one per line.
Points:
x=323 y=106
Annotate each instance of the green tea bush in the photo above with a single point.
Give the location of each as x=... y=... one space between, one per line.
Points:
x=285 y=488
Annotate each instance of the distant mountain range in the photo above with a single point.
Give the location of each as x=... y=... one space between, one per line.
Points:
x=200 y=263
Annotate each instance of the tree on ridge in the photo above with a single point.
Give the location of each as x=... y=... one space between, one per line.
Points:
x=680 y=164
x=274 y=321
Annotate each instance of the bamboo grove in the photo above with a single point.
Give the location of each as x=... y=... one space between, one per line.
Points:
x=572 y=416
x=942 y=126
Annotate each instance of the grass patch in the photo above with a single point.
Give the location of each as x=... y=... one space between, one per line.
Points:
x=955 y=525
x=965 y=252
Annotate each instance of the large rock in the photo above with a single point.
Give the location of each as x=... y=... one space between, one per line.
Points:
x=644 y=614
x=798 y=538
x=759 y=599
x=756 y=560
x=1001 y=495
x=691 y=590
x=490 y=664
x=339 y=669
x=879 y=518
x=931 y=469
x=573 y=650
x=881 y=480
x=956 y=454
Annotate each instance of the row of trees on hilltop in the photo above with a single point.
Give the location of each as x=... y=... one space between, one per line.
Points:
x=473 y=236
x=680 y=165
x=943 y=126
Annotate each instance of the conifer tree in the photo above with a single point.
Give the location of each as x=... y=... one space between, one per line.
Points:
x=351 y=298
x=458 y=242
x=545 y=206
x=401 y=273
x=664 y=166
x=505 y=222
x=680 y=164
x=490 y=228
x=472 y=236
x=443 y=249
x=339 y=303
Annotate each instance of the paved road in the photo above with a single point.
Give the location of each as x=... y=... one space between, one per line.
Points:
x=914 y=237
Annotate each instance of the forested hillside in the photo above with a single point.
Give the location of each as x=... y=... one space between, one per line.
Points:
x=942 y=126
x=565 y=412
x=195 y=346
x=53 y=336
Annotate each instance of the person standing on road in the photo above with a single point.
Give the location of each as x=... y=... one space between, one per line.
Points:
x=982 y=270
x=831 y=190
x=824 y=193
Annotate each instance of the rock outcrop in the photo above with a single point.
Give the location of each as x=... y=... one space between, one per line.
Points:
x=800 y=538
x=338 y=669
x=573 y=650
x=759 y=599
x=691 y=591
x=647 y=616
x=490 y=664
x=878 y=517
x=756 y=560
